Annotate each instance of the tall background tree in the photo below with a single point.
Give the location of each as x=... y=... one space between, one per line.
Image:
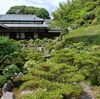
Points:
x=40 y=12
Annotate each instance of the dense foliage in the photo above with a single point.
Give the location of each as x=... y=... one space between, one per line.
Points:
x=10 y=71
x=54 y=68
x=40 y=12
x=8 y=49
x=77 y=13
x=2 y=80
x=73 y=58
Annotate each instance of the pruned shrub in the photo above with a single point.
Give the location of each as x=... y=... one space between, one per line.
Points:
x=10 y=71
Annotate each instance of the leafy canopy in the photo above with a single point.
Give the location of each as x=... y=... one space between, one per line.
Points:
x=40 y=12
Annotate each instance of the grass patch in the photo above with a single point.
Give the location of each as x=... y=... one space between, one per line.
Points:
x=85 y=31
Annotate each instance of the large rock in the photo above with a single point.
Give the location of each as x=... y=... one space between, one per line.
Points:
x=39 y=49
x=7 y=87
x=8 y=95
x=20 y=75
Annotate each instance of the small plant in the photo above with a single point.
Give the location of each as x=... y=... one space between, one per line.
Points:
x=10 y=71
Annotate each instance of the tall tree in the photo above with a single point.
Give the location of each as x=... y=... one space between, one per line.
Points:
x=40 y=12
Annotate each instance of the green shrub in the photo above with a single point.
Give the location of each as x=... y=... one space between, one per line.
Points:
x=23 y=42
x=59 y=45
x=89 y=16
x=9 y=49
x=43 y=89
x=2 y=80
x=10 y=71
x=30 y=64
x=90 y=6
x=27 y=77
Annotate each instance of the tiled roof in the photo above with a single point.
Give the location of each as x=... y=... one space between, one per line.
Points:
x=13 y=17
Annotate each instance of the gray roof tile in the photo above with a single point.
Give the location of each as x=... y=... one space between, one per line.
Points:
x=13 y=17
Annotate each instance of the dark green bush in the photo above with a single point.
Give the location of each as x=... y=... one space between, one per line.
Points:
x=89 y=16
x=10 y=71
x=2 y=80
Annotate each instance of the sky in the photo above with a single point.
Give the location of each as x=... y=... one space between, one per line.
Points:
x=50 y=5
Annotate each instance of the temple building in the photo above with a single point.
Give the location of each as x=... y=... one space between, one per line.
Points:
x=22 y=27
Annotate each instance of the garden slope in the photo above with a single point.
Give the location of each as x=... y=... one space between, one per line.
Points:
x=90 y=34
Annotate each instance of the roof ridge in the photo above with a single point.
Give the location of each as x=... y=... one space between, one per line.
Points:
x=17 y=14
x=20 y=17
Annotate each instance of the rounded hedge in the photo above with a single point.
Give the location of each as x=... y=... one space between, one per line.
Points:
x=11 y=71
